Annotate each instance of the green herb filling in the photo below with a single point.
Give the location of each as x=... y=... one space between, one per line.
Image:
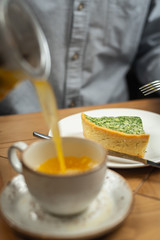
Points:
x=125 y=124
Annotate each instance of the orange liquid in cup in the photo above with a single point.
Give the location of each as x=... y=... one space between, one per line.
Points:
x=73 y=165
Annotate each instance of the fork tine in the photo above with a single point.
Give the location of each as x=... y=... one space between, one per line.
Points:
x=150 y=87
x=150 y=84
x=151 y=91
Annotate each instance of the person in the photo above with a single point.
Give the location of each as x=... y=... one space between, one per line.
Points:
x=93 y=45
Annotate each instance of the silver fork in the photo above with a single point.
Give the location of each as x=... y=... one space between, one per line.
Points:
x=150 y=87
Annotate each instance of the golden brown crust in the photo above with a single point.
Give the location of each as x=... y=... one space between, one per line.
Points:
x=113 y=140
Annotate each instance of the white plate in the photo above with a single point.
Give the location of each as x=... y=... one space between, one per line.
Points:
x=72 y=126
x=106 y=212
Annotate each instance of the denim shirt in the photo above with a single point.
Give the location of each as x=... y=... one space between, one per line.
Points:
x=93 y=44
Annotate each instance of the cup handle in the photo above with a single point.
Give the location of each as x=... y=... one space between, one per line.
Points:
x=12 y=155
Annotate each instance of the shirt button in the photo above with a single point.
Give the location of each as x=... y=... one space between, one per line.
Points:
x=80 y=7
x=72 y=104
x=75 y=56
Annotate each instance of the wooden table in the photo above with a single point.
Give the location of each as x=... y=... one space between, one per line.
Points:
x=143 y=223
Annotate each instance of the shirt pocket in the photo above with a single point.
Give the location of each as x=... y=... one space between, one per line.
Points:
x=123 y=25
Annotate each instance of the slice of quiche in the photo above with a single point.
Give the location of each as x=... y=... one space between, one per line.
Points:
x=123 y=134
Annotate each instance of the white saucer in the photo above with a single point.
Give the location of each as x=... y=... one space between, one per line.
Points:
x=106 y=212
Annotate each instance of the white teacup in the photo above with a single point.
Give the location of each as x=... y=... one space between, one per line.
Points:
x=60 y=194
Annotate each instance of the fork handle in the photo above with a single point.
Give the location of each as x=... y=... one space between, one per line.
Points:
x=41 y=135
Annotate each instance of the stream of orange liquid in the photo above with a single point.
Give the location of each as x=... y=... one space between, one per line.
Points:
x=9 y=79
x=49 y=108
